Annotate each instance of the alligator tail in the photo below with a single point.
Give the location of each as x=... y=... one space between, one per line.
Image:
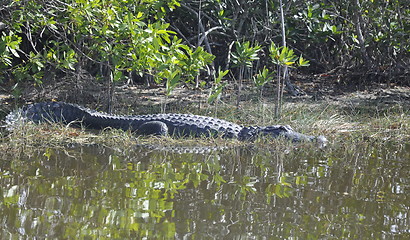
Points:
x=47 y=112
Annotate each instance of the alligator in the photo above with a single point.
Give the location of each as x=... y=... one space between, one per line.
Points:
x=172 y=124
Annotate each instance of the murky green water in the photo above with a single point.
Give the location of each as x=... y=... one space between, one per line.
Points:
x=97 y=193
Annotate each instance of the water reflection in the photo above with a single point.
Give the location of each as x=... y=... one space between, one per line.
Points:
x=95 y=192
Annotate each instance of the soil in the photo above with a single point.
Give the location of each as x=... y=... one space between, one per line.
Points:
x=347 y=90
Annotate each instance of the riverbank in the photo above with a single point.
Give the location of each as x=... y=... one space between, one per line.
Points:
x=347 y=122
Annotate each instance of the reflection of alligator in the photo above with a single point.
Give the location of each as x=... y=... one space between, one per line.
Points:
x=182 y=149
x=158 y=124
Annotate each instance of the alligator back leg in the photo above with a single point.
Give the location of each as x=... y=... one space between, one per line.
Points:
x=153 y=128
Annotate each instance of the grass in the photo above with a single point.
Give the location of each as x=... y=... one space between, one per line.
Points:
x=339 y=123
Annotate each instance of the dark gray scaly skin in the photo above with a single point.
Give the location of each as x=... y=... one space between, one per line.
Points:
x=157 y=124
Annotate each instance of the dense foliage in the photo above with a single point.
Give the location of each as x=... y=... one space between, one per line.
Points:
x=354 y=35
x=173 y=40
x=106 y=38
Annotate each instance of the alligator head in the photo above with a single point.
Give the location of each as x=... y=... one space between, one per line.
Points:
x=251 y=133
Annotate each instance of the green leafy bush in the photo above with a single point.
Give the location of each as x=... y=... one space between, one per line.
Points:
x=117 y=36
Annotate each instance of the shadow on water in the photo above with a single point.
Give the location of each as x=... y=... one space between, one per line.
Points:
x=92 y=192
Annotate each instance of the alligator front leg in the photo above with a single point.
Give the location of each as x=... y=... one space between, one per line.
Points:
x=156 y=128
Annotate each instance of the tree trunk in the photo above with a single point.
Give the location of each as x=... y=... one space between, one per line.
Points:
x=281 y=69
x=358 y=20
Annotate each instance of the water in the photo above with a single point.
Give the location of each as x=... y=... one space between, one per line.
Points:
x=94 y=192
